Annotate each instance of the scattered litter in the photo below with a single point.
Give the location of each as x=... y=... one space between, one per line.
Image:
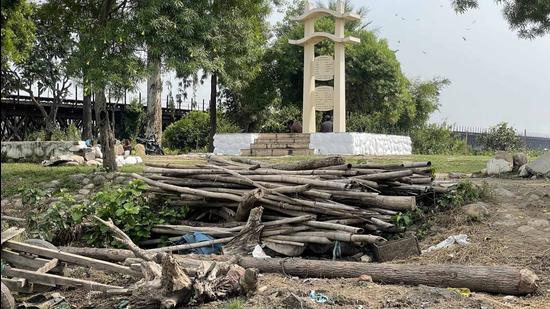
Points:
x=258 y=252
x=461 y=291
x=198 y=237
x=51 y=301
x=461 y=239
x=319 y=298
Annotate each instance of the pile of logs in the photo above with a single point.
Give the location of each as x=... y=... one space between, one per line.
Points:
x=316 y=202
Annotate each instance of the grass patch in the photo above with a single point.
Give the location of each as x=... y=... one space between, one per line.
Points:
x=20 y=176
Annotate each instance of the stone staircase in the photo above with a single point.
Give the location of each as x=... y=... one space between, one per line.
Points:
x=279 y=144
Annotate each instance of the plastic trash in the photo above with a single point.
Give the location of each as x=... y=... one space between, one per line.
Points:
x=461 y=291
x=319 y=298
x=195 y=237
x=461 y=239
x=258 y=252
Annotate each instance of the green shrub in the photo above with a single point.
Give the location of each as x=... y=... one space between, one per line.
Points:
x=188 y=133
x=128 y=207
x=71 y=133
x=501 y=137
x=436 y=139
x=191 y=132
x=278 y=119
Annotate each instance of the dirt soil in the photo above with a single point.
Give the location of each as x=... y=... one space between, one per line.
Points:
x=517 y=232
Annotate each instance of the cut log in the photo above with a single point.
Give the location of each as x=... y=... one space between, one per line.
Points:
x=310 y=164
x=71 y=258
x=49 y=279
x=107 y=254
x=493 y=279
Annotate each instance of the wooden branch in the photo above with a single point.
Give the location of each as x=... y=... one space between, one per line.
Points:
x=71 y=258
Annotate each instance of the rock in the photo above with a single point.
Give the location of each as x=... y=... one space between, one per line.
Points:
x=459 y=175
x=17 y=203
x=510 y=299
x=71 y=163
x=503 y=192
x=519 y=159
x=523 y=171
x=498 y=166
x=365 y=278
x=119 y=150
x=97 y=151
x=77 y=158
x=52 y=184
x=92 y=163
x=89 y=186
x=476 y=211
x=78 y=146
x=89 y=156
x=120 y=179
x=99 y=180
x=140 y=150
x=540 y=166
x=119 y=161
x=99 y=160
x=5 y=203
x=83 y=192
x=85 y=181
x=77 y=177
x=366 y=258
x=58 y=160
x=110 y=176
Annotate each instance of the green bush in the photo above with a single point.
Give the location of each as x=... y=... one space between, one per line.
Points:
x=188 y=133
x=436 y=139
x=501 y=137
x=128 y=207
x=278 y=119
x=71 y=133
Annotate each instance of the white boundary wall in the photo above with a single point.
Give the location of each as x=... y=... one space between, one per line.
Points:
x=232 y=143
x=360 y=144
x=326 y=143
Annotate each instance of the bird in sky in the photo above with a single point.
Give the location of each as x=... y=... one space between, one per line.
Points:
x=464 y=38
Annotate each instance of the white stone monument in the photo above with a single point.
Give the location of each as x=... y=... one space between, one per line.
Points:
x=324 y=68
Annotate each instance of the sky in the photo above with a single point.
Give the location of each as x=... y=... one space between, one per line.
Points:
x=495 y=76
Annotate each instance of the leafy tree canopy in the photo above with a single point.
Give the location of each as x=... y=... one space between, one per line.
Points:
x=530 y=18
x=17 y=30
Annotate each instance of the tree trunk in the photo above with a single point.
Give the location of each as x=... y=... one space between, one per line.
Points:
x=107 y=137
x=154 y=92
x=212 y=111
x=494 y=279
x=87 y=130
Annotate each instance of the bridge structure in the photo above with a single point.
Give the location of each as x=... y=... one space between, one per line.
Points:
x=20 y=116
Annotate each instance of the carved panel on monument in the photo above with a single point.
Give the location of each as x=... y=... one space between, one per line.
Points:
x=323 y=68
x=323 y=98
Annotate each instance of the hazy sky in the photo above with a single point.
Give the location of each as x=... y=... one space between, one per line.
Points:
x=495 y=76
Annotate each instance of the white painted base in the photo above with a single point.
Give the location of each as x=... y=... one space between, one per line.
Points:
x=360 y=144
x=232 y=143
x=326 y=143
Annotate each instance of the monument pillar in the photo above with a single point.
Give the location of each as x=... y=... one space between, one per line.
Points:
x=308 y=113
x=339 y=119
x=324 y=68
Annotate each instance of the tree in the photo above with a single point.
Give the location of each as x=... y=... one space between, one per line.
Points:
x=46 y=64
x=172 y=32
x=528 y=17
x=17 y=30
x=234 y=43
x=106 y=54
x=501 y=137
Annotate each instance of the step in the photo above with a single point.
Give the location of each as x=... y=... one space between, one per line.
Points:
x=276 y=152
x=284 y=135
x=282 y=141
x=279 y=145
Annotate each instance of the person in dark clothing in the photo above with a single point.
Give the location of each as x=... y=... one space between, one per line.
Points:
x=294 y=126
x=326 y=125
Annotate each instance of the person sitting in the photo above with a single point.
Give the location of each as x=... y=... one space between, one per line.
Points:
x=326 y=125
